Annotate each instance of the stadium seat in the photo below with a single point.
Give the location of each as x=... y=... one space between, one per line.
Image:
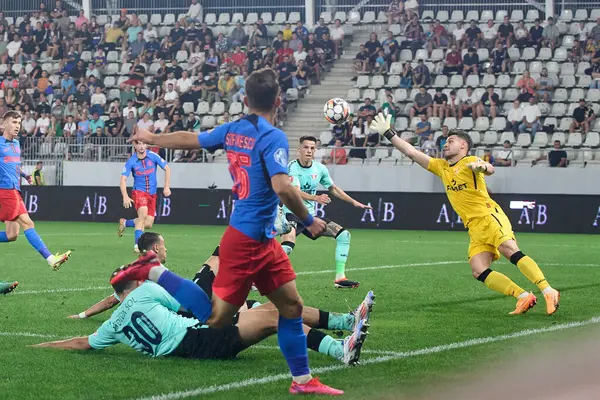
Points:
x=524 y=140
x=113 y=69
x=490 y=138
x=353 y=95
x=535 y=67
x=581 y=14
x=208 y=121
x=369 y=93
x=154 y=67
x=503 y=81
x=251 y=18
x=292 y=95
x=499 y=124
x=113 y=94
x=566 y=15
x=456 y=81
x=465 y=124
x=441 y=81
x=169 y=19
x=223 y=19
x=405 y=55
x=294 y=17
x=155 y=19
x=575 y=140
x=325 y=137
x=472 y=15
x=396 y=68
x=516 y=16
x=560 y=136
x=377 y=81
x=565 y=123
x=181 y=56
x=592 y=139
x=581 y=67
x=267 y=17
x=482 y=124
x=110 y=82
x=427 y=14
x=235 y=108
x=548 y=121
x=353 y=17
x=436 y=123
x=553 y=69
x=326 y=15
x=203 y=108
x=540 y=139
x=576 y=95
x=567 y=68
x=584 y=81
x=567 y=41
x=450 y=122
x=237 y=17
x=280 y=18
x=507 y=136
x=164 y=31
x=500 y=14
x=511 y=94
x=396 y=30
x=519 y=67
x=368 y=17
x=532 y=15
x=112 y=56
x=529 y=53
x=487 y=80
x=393 y=81
x=421 y=54
x=188 y=107
x=545 y=54
x=437 y=55
x=86 y=56
x=457 y=16
x=381 y=17
x=475 y=137
x=341 y=15
x=593 y=95
x=568 y=81
x=442 y=16
x=362 y=81
x=401 y=124
x=560 y=95
x=487 y=15
x=558 y=110
x=400 y=95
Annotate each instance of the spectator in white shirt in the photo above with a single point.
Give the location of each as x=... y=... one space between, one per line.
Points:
x=150 y=33
x=41 y=125
x=130 y=108
x=531 y=117
x=194 y=14
x=28 y=124
x=98 y=101
x=489 y=35
x=170 y=81
x=171 y=95
x=146 y=122
x=70 y=128
x=161 y=124
x=184 y=83
x=504 y=156
x=459 y=35
x=468 y=104
x=514 y=117
x=300 y=54
x=412 y=8
x=337 y=35
x=13 y=47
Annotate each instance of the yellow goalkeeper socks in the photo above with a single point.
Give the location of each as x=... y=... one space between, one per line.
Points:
x=500 y=283
x=530 y=269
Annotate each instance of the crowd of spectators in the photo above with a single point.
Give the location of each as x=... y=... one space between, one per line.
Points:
x=450 y=71
x=110 y=76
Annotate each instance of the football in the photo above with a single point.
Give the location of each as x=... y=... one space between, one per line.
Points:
x=336 y=111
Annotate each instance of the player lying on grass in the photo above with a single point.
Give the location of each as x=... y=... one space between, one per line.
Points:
x=257 y=154
x=489 y=228
x=143 y=165
x=306 y=174
x=147 y=321
x=12 y=208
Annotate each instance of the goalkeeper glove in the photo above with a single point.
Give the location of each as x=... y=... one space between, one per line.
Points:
x=383 y=125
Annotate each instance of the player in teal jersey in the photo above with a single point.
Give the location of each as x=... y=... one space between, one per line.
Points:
x=151 y=321
x=306 y=175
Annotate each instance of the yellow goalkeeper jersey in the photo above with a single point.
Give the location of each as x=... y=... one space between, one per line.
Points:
x=465 y=189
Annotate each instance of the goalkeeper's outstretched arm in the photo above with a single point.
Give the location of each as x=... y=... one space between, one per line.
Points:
x=382 y=124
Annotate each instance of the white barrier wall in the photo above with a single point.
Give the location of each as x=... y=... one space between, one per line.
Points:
x=382 y=178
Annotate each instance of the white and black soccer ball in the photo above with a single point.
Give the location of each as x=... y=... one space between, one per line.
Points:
x=336 y=111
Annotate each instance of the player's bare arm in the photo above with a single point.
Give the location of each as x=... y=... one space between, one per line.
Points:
x=383 y=125
x=340 y=194
x=319 y=198
x=167 y=188
x=76 y=343
x=127 y=201
x=28 y=178
x=176 y=140
x=481 y=167
x=290 y=197
x=103 y=305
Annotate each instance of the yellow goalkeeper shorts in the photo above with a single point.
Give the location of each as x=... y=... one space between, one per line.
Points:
x=488 y=233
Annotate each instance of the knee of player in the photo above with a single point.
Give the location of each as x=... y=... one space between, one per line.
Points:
x=148 y=223
x=343 y=237
x=12 y=236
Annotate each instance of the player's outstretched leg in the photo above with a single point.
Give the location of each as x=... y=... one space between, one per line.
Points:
x=532 y=271
x=342 y=248
x=7 y=287
x=140 y=225
x=185 y=291
x=321 y=319
x=501 y=283
x=347 y=351
x=124 y=224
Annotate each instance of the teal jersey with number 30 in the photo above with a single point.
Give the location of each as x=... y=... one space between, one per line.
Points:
x=308 y=180
x=147 y=321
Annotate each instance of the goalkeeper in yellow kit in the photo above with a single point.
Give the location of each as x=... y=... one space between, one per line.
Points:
x=490 y=230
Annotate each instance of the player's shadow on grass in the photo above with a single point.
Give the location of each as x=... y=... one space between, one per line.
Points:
x=493 y=297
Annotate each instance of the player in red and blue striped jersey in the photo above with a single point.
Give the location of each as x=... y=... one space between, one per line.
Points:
x=143 y=165
x=257 y=153
x=12 y=208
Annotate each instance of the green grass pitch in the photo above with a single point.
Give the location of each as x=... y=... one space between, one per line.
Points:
x=426 y=297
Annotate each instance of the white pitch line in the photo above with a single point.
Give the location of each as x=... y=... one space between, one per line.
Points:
x=27 y=334
x=376 y=360
x=64 y=290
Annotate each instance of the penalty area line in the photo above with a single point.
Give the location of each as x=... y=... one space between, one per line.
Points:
x=376 y=360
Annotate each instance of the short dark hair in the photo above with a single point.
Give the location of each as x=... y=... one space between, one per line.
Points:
x=262 y=89
x=462 y=135
x=12 y=114
x=147 y=240
x=121 y=286
x=307 y=137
